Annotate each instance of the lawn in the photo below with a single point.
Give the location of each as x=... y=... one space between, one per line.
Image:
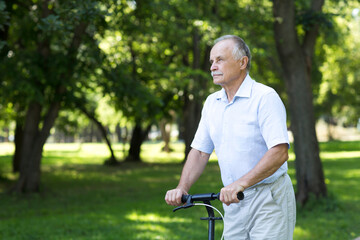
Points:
x=83 y=199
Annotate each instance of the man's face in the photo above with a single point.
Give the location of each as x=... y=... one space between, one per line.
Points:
x=224 y=68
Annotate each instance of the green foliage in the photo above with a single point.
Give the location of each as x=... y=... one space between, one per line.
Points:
x=157 y=51
x=52 y=56
x=146 y=50
x=4 y=19
x=41 y=56
x=71 y=123
x=337 y=96
x=308 y=18
x=145 y=58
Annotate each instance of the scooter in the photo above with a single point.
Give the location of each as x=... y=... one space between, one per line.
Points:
x=206 y=198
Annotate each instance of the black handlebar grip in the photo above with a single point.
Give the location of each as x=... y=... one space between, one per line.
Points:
x=184 y=198
x=240 y=195
x=202 y=197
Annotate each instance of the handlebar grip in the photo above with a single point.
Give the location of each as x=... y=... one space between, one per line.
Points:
x=240 y=195
x=203 y=197
x=184 y=198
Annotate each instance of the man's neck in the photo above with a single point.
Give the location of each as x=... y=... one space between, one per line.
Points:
x=232 y=89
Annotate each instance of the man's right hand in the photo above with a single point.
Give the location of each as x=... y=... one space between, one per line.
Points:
x=173 y=197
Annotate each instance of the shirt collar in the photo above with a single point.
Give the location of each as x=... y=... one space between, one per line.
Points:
x=243 y=91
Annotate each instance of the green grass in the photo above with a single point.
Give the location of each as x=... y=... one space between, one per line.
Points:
x=83 y=199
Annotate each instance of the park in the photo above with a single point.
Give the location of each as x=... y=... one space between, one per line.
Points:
x=100 y=102
x=83 y=199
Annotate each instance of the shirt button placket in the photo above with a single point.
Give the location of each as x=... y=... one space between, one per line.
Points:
x=225 y=138
x=225 y=123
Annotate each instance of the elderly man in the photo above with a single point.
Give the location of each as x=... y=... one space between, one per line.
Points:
x=245 y=123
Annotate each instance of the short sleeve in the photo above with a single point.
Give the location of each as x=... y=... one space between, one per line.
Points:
x=202 y=140
x=272 y=120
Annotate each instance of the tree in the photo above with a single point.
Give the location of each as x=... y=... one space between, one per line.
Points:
x=296 y=59
x=183 y=50
x=165 y=49
x=89 y=109
x=50 y=44
x=136 y=102
x=338 y=99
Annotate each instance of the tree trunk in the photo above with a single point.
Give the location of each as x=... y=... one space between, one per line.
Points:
x=29 y=179
x=19 y=134
x=32 y=146
x=118 y=133
x=91 y=133
x=330 y=124
x=137 y=139
x=193 y=98
x=112 y=160
x=37 y=129
x=124 y=139
x=296 y=69
x=4 y=31
x=191 y=119
x=165 y=129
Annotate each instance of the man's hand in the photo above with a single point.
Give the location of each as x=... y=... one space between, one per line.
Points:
x=229 y=193
x=173 y=197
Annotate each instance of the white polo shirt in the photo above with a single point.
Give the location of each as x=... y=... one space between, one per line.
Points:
x=243 y=130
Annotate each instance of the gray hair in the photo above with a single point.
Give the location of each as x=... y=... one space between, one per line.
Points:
x=240 y=48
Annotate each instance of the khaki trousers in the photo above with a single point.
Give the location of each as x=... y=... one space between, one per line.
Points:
x=268 y=211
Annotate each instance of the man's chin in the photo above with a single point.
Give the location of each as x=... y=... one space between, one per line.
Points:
x=217 y=81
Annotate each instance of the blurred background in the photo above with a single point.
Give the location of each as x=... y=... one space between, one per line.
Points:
x=131 y=76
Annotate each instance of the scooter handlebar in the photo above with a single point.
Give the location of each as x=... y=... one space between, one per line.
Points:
x=206 y=197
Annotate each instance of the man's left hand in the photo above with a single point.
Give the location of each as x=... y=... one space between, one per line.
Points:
x=229 y=193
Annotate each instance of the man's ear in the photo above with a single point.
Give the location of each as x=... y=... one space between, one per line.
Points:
x=243 y=62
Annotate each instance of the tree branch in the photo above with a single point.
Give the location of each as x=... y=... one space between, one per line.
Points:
x=287 y=38
x=311 y=35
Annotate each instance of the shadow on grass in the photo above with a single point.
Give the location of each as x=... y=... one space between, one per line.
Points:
x=90 y=201
x=84 y=199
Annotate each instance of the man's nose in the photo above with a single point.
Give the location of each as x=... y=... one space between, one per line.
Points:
x=213 y=67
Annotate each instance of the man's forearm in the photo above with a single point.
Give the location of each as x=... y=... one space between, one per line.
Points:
x=269 y=164
x=193 y=168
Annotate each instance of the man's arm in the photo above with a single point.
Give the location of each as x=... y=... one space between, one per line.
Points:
x=192 y=170
x=273 y=159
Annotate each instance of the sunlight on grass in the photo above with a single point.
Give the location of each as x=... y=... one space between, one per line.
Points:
x=96 y=149
x=300 y=233
x=152 y=152
x=152 y=217
x=71 y=147
x=337 y=155
x=291 y=156
x=151 y=231
x=7 y=148
x=352 y=173
x=151 y=225
x=86 y=200
x=80 y=149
